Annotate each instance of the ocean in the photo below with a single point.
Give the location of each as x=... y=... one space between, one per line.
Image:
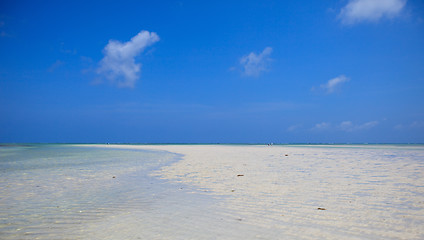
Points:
x=61 y=191
x=55 y=191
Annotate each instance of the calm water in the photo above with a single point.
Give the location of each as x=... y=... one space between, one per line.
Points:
x=52 y=191
x=75 y=192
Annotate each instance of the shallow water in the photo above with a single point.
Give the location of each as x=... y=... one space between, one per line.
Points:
x=75 y=192
x=368 y=192
x=55 y=191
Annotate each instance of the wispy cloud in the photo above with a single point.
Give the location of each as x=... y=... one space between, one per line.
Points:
x=414 y=125
x=357 y=11
x=118 y=64
x=348 y=126
x=334 y=83
x=55 y=65
x=322 y=126
x=254 y=64
x=293 y=128
x=417 y=124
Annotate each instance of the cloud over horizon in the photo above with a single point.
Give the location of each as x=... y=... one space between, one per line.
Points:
x=321 y=126
x=118 y=64
x=254 y=64
x=348 y=126
x=334 y=83
x=370 y=10
x=416 y=125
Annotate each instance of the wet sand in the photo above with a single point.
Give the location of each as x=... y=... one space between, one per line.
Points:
x=282 y=192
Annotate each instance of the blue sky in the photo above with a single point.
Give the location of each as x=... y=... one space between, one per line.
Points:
x=348 y=71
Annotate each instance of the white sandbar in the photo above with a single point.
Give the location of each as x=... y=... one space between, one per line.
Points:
x=289 y=192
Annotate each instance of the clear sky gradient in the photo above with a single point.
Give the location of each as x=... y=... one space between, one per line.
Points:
x=338 y=71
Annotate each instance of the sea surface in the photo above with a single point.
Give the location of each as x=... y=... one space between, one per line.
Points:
x=56 y=191
x=60 y=191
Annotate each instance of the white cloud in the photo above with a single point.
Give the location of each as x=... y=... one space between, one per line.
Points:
x=321 y=126
x=294 y=127
x=332 y=84
x=370 y=10
x=368 y=125
x=118 y=64
x=254 y=64
x=414 y=125
x=348 y=126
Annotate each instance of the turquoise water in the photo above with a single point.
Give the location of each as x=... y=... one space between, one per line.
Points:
x=51 y=191
x=87 y=192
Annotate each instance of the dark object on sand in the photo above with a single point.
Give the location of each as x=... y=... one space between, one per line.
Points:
x=320 y=208
x=240 y=175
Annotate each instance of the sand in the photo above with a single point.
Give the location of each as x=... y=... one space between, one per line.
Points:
x=287 y=192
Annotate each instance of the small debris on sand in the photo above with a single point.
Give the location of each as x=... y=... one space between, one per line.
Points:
x=286 y=155
x=321 y=208
x=113 y=177
x=240 y=175
x=233 y=190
